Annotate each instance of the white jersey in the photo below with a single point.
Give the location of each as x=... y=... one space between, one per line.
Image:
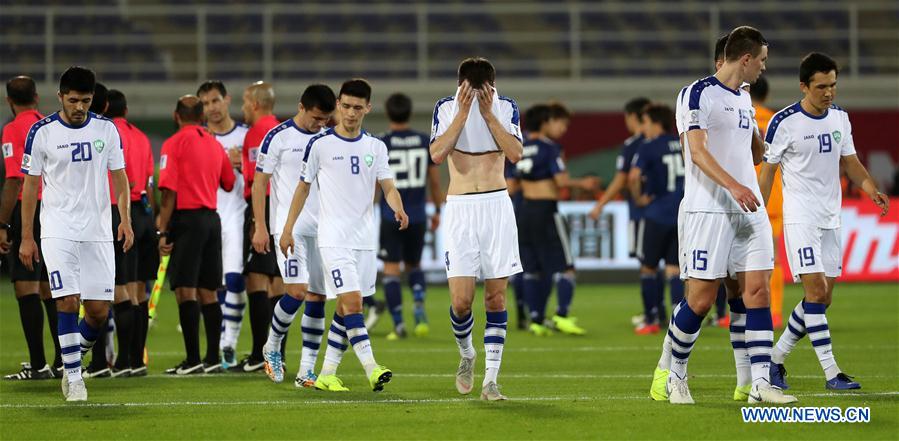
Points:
x=475 y=137
x=681 y=106
x=73 y=163
x=808 y=149
x=281 y=156
x=345 y=172
x=232 y=202
x=727 y=115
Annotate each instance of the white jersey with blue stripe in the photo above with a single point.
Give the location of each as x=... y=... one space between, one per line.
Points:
x=808 y=149
x=231 y=203
x=726 y=115
x=73 y=163
x=475 y=137
x=281 y=156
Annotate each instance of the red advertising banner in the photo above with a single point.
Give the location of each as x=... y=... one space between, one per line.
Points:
x=870 y=243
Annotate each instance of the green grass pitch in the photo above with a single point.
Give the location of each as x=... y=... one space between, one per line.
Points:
x=559 y=387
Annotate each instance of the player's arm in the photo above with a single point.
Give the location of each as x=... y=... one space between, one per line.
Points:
x=296 y=207
x=123 y=198
x=635 y=186
x=758 y=144
x=437 y=196
x=442 y=145
x=260 y=238
x=508 y=143
x=697 y=140
x=862 y=179
x=392 y=196
x=166 y=208
x=8 y=197
x=766 y=180
x=619 y=181
x=28 y=252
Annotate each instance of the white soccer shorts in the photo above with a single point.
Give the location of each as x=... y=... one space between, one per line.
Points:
x=304 y=265
x=680 y=241
x=346 y=270
x=481 y=236
x=716 y=244
x=813 y=250
x=232 y=243
x=85 y=268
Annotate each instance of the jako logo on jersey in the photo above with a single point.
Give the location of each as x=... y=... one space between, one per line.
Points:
x=369 y=160
x=99 y=145
x=837 y=135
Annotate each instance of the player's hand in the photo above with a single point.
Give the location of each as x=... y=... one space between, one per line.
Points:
x=260 y=240
x=466 y=97
x=5 y=244
x=882 y=201
x=401 y=217
x=745 y=198
x=435 y=221
x=234 y=156
x=485 y=102
x=28 y=253
x=286 y=243
x=596 y=211
x=590 y=183
x=165 y=247
x=126 y=233
x=643 y=200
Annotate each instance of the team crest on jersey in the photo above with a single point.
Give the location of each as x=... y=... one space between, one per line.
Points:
x=369 y=160
x=837 y=135
x=7 y=149
x=99 y=145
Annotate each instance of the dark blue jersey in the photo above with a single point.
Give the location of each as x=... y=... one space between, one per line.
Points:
x=623 y=165
x=511 y=172
x=662 y=167
x=409 y=160
x=540 y=160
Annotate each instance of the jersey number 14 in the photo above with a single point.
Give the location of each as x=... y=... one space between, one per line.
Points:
x=675 y=165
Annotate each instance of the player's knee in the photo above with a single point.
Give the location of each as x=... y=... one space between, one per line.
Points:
x=495 y=300
x=461 y=307
x=816 y=294
x=648 y=270
x=234 y=282
x=756 y=295
x=701 y=305
x=672 y=271
x=68 y=304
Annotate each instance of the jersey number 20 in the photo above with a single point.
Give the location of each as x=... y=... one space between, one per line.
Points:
x=411 y=163
x=81 y=151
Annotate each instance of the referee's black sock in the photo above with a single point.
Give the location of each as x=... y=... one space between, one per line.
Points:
x=98 y=351
x=33 y=325
x=212 y=323
x=274 y=302
x=189 y=313
x=139 y=337
x=260 y=321
x=124 y=327
x=52 y=323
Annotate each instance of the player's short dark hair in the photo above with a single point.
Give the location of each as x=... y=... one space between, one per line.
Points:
x=660 y=114
x=21 y=90
x=535 y=116
x=635 y=106
x=118 y=105
x=357 y=87
x=78 y=79
x=189 y=109
x=744 y=40
x=759 y=89
x=558 y=110
x=101 y=98
x=719 y=47
x=813 y=63
x=399 y=108
x=319 y=96
x=478 y=71
x=209 y=85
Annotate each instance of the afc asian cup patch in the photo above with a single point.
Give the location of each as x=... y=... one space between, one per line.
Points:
x=7 y=149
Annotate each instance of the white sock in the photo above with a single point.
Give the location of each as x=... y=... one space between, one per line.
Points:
x=462 y=330
x=819 y=334
x=494 y=340
x=358 y=336
x=232 y=317
x=313 y=330
x=794 y=332
x=337 y=345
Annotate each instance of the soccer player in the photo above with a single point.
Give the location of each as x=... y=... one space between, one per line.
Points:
x=264 y=285
x=143 y=259
x=231 y=209
x=31 y=286
x=192 y=166
x=543 y=238
x=482 y=238
x=415 y=171
x=280 y=161
x=724 y=228
x=811 y=141
x=657 y=179
x=71 y=151
x=345 y=164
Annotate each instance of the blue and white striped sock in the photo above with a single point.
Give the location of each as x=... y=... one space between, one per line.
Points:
x=462 y=330
x=819 y=334
x=665 y=359
x=358 y=335
x=283 y=315
x=738 y=342
x=232 y=316
x=794 y=332
x=337 y=344
x=313 y=327
x=494 y=339
x=87 y=336
x=70 y=344
x=759 y=343
x=683 y=332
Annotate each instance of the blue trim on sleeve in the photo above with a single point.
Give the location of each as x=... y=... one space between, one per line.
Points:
x=440 y=102
x=515 y=114
x=778 y=118
x=696 y=93
x=263 y=148
x=312 y=141
x=35 y=127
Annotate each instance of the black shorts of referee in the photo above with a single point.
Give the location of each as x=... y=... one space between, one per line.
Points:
x=18 y=271
x=196 y=260
x=543 y=237
x=266 y=264
x=144 y=258
x=402 y=245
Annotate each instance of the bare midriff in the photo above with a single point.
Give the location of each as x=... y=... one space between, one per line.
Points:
x=476 y=173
